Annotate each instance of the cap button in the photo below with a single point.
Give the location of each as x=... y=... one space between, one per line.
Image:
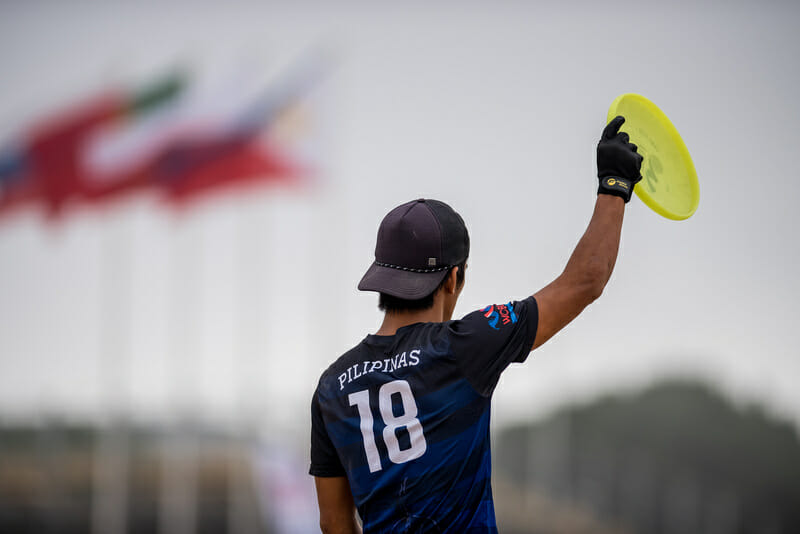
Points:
x=421 y=200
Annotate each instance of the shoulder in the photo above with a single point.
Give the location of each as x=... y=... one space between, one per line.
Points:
x=494 y=317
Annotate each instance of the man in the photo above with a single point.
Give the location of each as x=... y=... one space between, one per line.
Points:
x=400 y=423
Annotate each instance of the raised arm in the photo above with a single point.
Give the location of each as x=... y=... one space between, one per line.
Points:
x=592 y=262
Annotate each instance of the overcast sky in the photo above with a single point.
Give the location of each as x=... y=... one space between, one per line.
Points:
x=236 y=305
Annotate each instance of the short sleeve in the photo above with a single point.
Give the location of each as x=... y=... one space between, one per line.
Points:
x=325 y=461
x=486 y=341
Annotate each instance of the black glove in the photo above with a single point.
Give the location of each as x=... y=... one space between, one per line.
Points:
x=618 y=163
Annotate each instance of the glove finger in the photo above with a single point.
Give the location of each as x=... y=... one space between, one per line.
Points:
x=612 y=128
x=633 y=147
x=624 y=137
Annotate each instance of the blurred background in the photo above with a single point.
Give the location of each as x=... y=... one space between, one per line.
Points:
x=189 y=195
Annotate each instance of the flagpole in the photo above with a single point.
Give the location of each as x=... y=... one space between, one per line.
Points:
x=109 y=509
x=252 y=269
x=178 y=492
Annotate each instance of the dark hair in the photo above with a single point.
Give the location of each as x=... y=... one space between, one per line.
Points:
x=391 y=304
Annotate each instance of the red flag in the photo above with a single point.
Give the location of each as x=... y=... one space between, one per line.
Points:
x=55 y=149
x=235 y=164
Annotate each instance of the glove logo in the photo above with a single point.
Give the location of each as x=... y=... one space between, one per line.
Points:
x=611 y=182
x=500 y=313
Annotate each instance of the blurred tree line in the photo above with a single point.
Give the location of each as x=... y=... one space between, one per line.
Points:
x=48 y=478
x=674 y=458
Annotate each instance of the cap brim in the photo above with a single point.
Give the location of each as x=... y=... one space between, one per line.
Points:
x=402 y=284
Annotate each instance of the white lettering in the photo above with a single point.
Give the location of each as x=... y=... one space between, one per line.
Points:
x=388 y=365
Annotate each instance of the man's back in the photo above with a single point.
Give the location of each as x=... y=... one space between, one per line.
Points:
x=406 y=419
x=400 y=424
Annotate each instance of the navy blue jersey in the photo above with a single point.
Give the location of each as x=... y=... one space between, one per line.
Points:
x=406 y=419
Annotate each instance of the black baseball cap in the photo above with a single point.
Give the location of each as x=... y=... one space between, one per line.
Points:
x=418 y=242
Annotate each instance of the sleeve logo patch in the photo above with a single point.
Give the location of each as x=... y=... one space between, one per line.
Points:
x=499 y=313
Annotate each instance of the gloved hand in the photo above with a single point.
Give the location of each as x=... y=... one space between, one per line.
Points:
x=618 y=163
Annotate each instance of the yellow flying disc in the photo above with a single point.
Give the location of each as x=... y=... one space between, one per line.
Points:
x=669 y=181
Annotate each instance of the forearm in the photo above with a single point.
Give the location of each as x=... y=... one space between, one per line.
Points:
x=592 y=262
x=587 y=271
x=337 y=513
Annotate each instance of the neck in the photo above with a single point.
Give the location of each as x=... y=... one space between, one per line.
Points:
x=393 y=321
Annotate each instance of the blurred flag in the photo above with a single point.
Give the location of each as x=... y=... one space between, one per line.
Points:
x=169 y=137
x=46 y=165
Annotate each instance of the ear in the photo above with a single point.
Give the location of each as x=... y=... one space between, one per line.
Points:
x=451 y=282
